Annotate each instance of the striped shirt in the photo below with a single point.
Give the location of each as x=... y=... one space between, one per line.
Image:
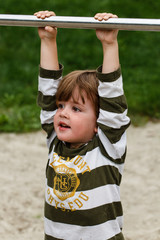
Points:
x=82 y=197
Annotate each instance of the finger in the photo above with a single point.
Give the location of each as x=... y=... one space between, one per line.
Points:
x=50 y=13
x=115 y=16
x=101 y=16
x=39 y=14
x=97 y=16
x=44 y=14
x=104 y=16
x=50 y=29
x=36 y=14
x=109 y=15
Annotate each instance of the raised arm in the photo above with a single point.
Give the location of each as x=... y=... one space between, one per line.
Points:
x=109 y=44
x=49 y=55
x=112 y=120
x=49 y=75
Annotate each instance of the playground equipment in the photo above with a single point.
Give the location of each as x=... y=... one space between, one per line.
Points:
x=131 y=24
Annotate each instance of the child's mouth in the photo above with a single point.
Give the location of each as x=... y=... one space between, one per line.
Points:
x=63 y=125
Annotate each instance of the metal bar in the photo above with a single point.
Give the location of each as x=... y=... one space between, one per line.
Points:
x=131 y=24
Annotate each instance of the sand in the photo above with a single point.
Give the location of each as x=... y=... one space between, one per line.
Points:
x=22 y=166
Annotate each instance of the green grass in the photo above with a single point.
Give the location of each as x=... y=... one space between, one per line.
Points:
x=78 y=49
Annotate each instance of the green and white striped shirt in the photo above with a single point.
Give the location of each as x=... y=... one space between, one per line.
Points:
x=82 y=198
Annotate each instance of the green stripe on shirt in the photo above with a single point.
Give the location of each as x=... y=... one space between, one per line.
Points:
x=115 y=105
x=97 y=177
x=101 y=214
x=47 y=103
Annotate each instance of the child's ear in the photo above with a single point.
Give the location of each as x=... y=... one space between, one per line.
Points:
x=96 y=129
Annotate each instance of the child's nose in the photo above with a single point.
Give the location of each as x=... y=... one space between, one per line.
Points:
x=64 y=113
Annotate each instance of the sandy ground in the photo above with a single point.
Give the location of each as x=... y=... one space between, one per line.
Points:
x=22 y=166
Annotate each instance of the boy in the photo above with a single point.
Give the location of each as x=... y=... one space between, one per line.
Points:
x=86 y=140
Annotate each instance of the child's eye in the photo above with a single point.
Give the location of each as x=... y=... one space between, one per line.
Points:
x=60 y=106
x=76 y=109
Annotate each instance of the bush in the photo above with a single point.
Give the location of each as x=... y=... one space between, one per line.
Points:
x=78 y=49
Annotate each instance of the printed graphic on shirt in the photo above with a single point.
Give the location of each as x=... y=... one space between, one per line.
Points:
x=66 y=182
x=73 y=205
x=77 y=162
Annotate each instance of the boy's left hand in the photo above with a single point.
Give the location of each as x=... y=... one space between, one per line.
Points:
x=47 y=32
x=106 y=36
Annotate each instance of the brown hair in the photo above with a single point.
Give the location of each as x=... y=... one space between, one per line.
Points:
x=86 y=81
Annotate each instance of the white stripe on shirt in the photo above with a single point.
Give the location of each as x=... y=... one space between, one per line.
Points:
x=71 y=232
x=48 y=86
x=116 y=150
x=85 y=200
x=113 y=120
x=47 y=116
x=111 y=89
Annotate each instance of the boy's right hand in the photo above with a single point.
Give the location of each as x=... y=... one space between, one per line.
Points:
x=47 y=32
x=106 y=36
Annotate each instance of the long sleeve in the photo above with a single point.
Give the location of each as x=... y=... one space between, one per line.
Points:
x=47 y=87
x=113 y=120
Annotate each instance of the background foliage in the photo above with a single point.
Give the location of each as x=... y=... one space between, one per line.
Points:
x=78 y=49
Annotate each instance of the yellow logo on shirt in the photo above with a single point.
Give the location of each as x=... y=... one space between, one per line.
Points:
x=66 y=182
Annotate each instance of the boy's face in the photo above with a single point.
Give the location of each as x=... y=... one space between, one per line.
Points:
x=75 y=123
